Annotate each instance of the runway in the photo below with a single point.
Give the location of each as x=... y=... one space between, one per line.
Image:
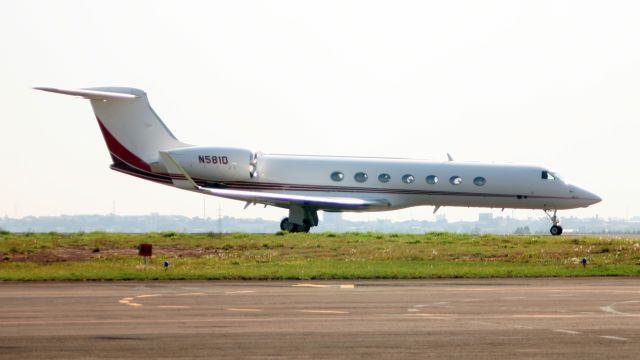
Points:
x=584 y=318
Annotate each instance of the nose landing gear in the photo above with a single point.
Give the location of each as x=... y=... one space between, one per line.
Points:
x=556 y=229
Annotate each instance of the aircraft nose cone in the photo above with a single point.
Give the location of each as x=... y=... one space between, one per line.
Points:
x=589 y=197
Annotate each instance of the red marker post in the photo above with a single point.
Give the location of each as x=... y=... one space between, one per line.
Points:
x=145 y=250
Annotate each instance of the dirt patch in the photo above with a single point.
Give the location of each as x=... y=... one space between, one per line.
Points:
x=87 y=253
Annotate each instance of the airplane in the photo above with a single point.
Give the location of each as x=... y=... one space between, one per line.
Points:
x=141 y=145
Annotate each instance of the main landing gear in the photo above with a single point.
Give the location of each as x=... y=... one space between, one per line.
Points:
x=556 y=229
x=301 y=219
x=286 y=225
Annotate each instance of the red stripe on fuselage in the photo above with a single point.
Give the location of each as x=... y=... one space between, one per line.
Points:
x=138 y=165
x=116 y=148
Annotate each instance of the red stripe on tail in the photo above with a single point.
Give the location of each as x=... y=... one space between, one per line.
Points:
x=120 y=151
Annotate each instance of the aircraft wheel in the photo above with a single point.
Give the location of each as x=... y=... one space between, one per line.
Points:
x=305 y=227
x=286 y=225
x=556 y=230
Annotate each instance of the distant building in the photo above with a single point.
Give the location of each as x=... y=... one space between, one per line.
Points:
x=485 y=217
x=441 y=219
x=334 y=222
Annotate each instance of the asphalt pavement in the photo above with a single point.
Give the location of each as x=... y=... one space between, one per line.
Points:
x=575 y=318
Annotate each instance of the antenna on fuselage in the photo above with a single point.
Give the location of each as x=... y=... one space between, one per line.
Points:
x=449 y=157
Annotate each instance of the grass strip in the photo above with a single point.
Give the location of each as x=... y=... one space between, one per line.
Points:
x=113 y=256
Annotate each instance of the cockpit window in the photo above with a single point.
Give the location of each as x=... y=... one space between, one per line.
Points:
x=548 y=175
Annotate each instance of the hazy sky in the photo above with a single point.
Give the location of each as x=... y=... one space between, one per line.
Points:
x=555 y=83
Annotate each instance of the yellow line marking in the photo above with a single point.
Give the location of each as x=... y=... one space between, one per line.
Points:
x=242 y=309
x=567 y=331
x=428 y=314
x=610 y=308
x=127 y=300
x=311 y=285
x=240 y=292
x=324 y=311
x=614 y=338
x=343 y=286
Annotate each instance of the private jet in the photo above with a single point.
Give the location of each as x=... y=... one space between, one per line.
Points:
x=142 y=146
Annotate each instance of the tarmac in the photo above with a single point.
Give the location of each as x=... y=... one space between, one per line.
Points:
x=565 y=318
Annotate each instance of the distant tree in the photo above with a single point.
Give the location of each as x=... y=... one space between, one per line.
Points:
x=523 y=231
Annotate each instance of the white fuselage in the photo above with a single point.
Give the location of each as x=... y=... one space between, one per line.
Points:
x=141 y=145
x=495 y=186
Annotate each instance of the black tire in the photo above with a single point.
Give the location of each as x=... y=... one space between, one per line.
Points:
x=305 y=227
x=286 y=225
x=300 y=228
x=556 y=230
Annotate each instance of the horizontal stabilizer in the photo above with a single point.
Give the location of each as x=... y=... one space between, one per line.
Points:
x=90 y=94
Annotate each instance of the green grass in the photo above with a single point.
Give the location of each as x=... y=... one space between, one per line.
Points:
x=110 y=256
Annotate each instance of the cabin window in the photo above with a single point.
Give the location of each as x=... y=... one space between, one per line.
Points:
x=337 y=176
x=455 y=180
x=360 y=177
x=384 y=178
x=431 y=179
x=479 y=181
x=408 y=179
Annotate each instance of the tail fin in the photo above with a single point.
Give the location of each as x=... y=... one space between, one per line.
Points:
x=132 y=130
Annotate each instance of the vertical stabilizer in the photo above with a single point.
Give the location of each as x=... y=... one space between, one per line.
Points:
x=132 y=130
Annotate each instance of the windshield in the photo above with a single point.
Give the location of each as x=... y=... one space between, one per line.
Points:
x=548 y=175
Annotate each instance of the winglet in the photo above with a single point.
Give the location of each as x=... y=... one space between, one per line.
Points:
x=178 y=175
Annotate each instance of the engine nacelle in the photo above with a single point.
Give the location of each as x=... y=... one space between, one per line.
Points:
x=215 y=163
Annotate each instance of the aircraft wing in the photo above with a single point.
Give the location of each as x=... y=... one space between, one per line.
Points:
x=182 y=180
x=285 y=200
